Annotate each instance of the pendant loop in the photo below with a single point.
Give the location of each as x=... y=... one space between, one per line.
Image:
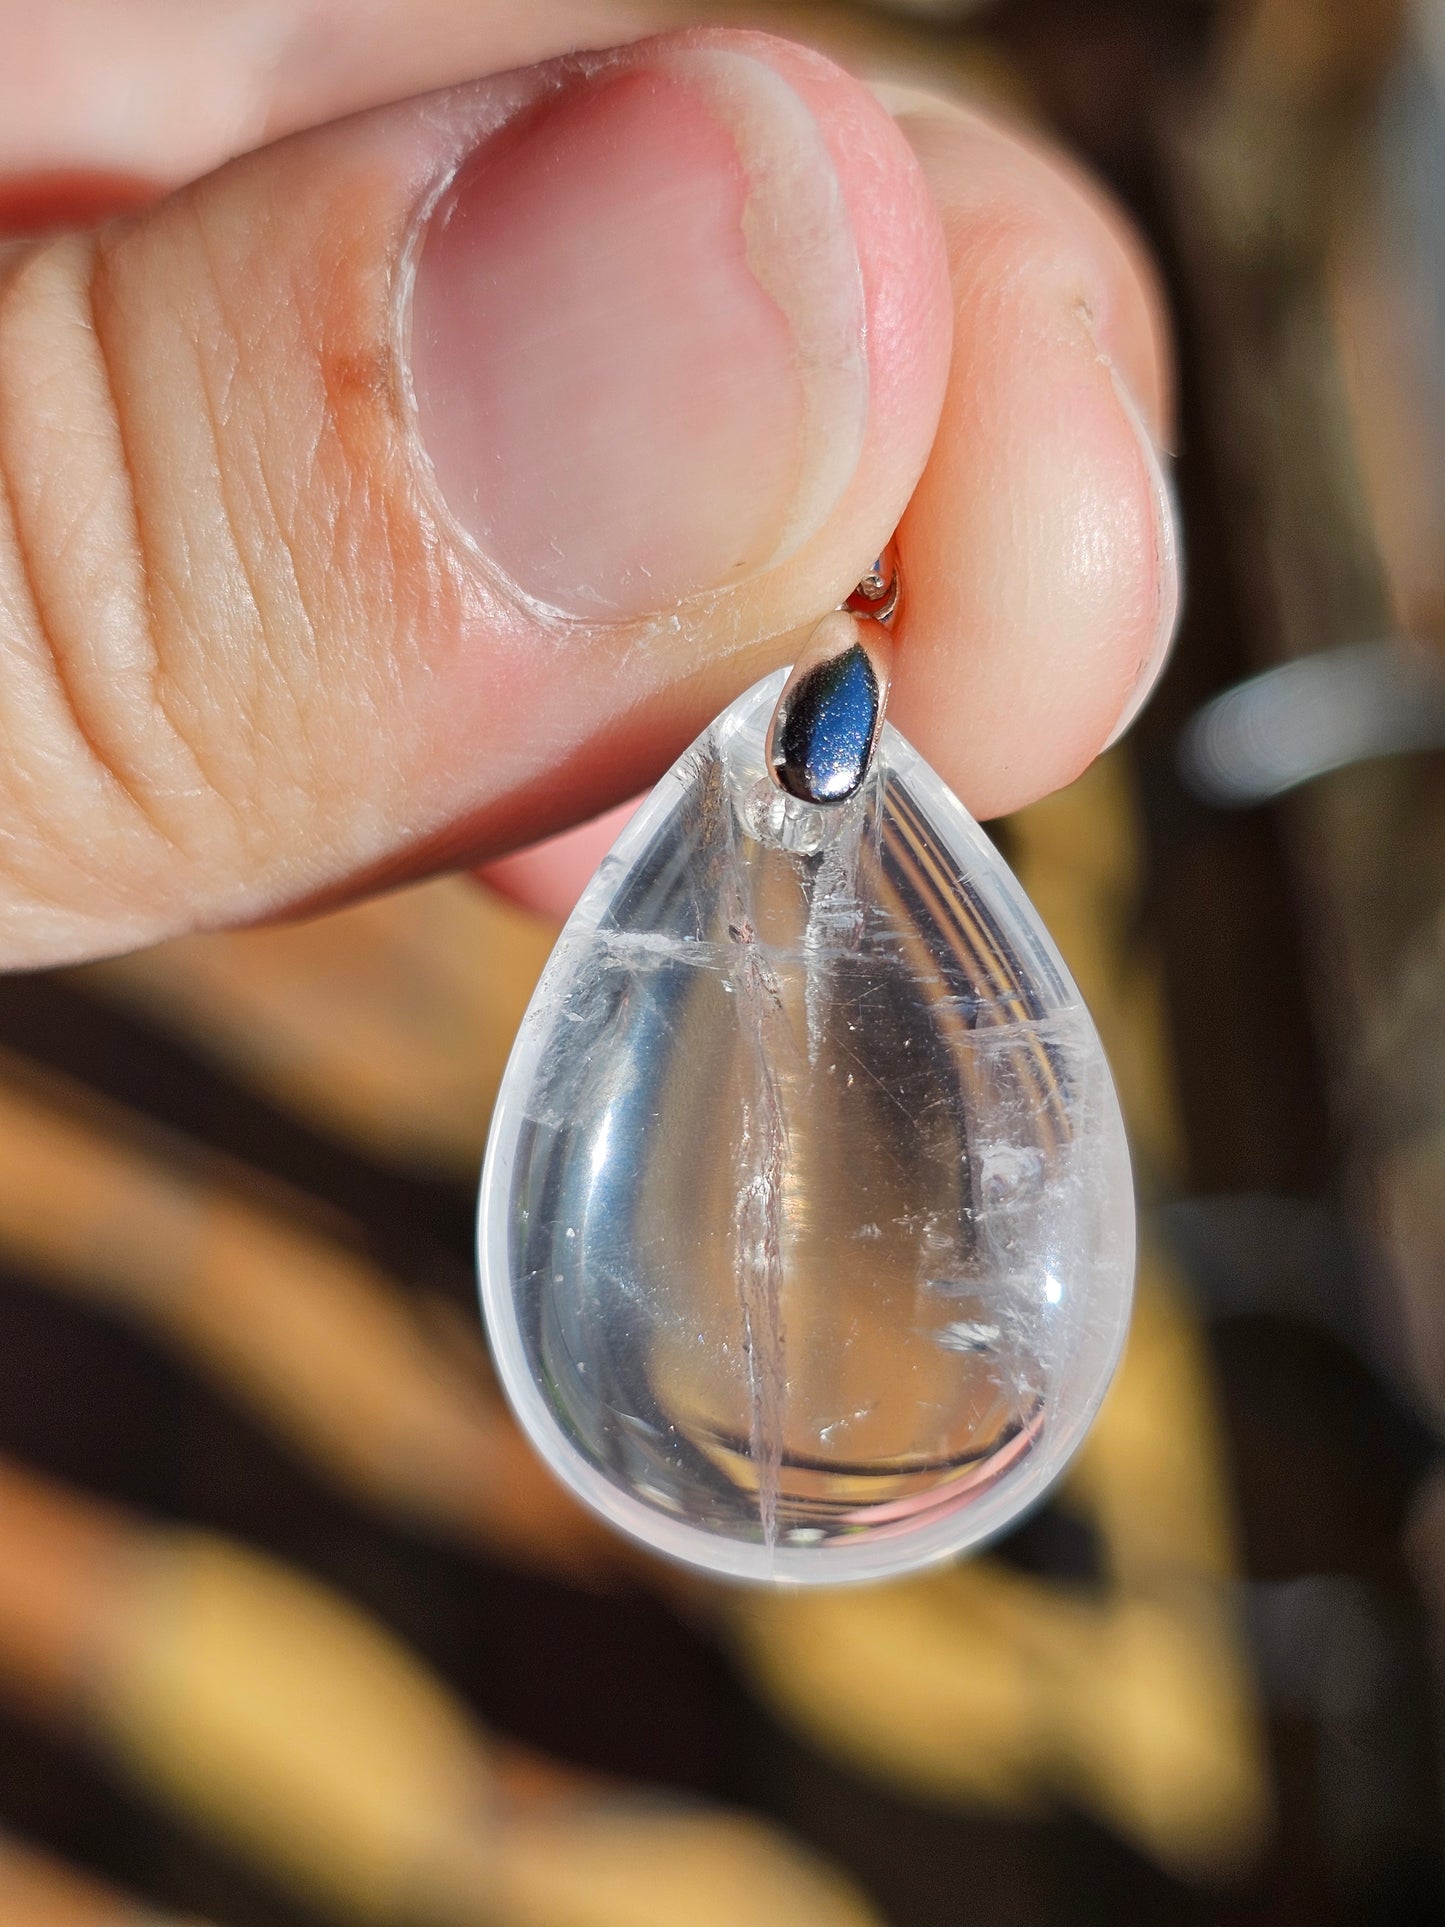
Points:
x=877 y=592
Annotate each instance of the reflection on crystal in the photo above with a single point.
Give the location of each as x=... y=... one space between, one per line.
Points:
x=807 y=1229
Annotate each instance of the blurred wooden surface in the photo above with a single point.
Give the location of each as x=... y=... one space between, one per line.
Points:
x=1288 y=182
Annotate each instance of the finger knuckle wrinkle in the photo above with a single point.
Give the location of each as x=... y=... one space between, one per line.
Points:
x=84 y=770
x=78 y=638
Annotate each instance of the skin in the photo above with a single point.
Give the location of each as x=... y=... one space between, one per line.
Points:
x=249 y=662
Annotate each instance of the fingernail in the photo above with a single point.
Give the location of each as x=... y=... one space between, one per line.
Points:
x=638 y=335
x=1168 y=570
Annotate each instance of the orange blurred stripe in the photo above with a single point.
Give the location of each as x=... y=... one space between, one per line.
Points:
x=37 y=1890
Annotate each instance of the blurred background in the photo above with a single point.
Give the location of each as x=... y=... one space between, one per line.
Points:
x=293 y=1631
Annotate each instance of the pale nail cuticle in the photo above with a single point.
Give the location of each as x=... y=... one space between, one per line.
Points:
x=800 y=249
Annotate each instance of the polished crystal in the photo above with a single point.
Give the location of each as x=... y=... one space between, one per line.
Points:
x=807 y=1227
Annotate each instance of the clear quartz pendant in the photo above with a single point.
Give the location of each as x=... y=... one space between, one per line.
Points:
x=807 y=1228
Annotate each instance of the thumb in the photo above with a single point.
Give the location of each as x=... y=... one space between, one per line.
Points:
x=420 y=483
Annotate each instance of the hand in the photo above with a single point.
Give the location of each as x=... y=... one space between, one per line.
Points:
x=420 y=482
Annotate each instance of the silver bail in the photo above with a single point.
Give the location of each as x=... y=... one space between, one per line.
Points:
x=829 y=717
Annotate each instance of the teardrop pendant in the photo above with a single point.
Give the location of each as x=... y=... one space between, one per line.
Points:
x=806 y=1228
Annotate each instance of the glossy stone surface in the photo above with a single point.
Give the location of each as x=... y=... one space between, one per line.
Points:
x=807 y=1227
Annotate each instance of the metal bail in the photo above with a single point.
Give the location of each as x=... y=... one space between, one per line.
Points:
x=827 y=722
